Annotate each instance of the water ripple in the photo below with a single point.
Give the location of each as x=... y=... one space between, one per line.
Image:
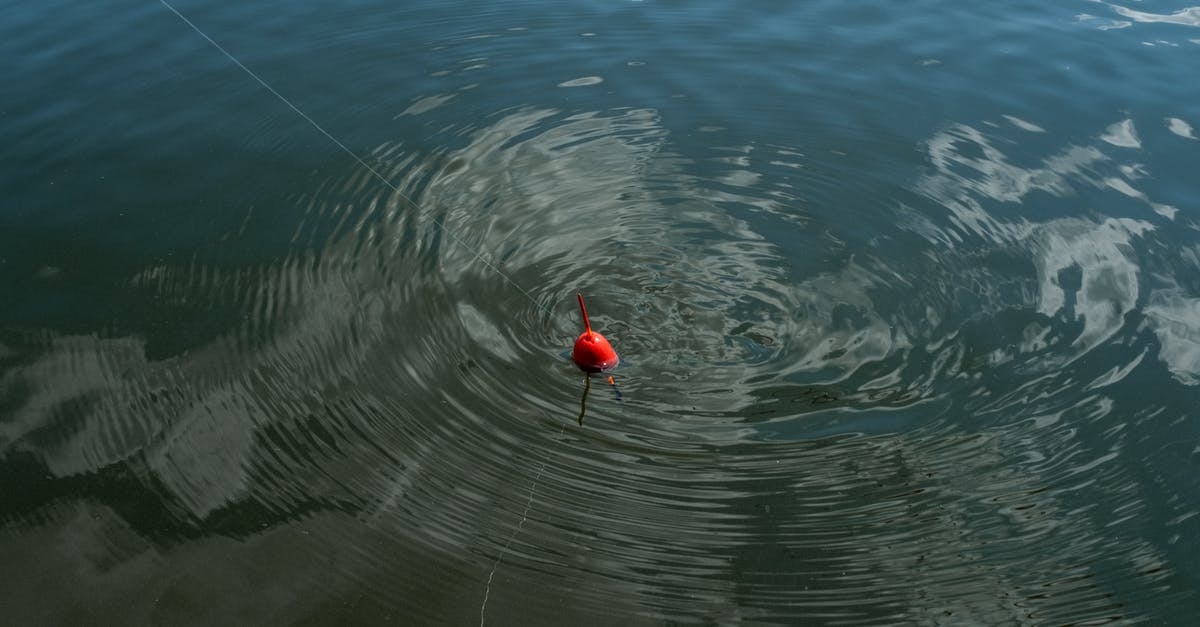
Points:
x=902 y=410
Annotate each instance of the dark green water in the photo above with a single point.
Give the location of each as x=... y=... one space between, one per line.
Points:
x=907 y=297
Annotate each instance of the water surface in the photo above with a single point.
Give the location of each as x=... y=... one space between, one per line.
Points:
x=906 y=298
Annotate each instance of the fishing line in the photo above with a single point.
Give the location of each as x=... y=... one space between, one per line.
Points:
x=487 y=590
x=477 y=252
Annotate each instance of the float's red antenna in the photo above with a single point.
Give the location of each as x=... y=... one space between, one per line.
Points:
x=583 y=310
x=592 y=352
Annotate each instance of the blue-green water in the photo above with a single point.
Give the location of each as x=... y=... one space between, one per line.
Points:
x=907 y=297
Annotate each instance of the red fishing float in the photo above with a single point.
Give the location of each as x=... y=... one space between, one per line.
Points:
x=592 y=352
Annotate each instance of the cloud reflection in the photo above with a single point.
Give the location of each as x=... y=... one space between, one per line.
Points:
x=1087 y=271
x=1189 y=16
x=1175 y=319
x=1180 y=128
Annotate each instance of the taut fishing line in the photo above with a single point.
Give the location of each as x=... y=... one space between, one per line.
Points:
x=477 y=252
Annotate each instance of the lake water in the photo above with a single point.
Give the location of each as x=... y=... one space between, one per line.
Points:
x=907 y=297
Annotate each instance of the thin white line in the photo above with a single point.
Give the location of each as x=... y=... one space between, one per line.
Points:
x=478 y=253
x=495 y=565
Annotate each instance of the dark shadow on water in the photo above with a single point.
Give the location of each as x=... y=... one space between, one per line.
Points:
x=587 y=387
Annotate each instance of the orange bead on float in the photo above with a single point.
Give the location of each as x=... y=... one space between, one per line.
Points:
x=592 y=352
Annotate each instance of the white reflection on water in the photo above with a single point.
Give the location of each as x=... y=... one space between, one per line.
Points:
x=1122 y=134
x=1180 y=128
x=1175 y=318
x=1186 y=17
x=1024 y=124
x=1087 y=269
x=1108 y=288
x=69 y=374
x=970 y=168
x=1106 y=24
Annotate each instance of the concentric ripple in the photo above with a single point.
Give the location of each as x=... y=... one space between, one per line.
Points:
x=405 y=366
x=916 y=404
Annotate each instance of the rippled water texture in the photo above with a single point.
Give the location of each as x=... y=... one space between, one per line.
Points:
x=906 y=298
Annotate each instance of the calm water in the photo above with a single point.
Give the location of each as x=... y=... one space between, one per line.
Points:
x=907 y=297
